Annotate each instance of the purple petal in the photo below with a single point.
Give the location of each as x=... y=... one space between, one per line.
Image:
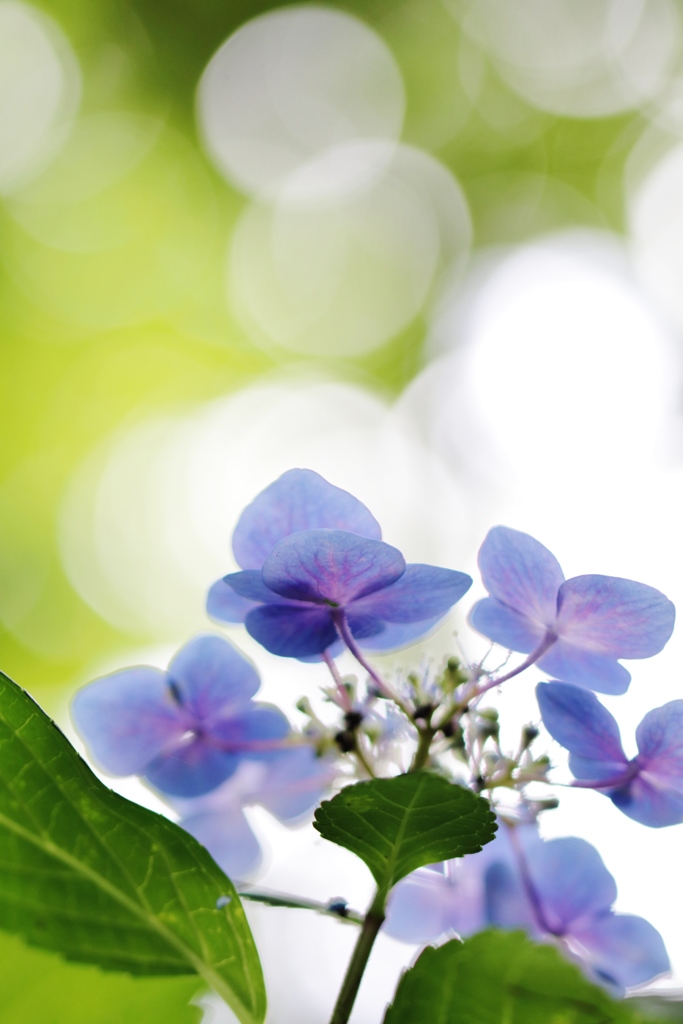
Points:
x=212 y=677
x=429 y=903
x=507 y=902
x=613 y=616
x=326 y=566
x=576 y=719
x=295 y=784
x=393 y=635
x=249 y=585
x=225 y=605
x=191 y=768
x=585 y=668
x=228 y=838
x=292 y=632
x=252 y=733
x=127 y=718
x=571 y=882
x=299 y=500
x=622 y=949
x=521 y=573
x=422 y=592
x=505 y=626
x=655 y=796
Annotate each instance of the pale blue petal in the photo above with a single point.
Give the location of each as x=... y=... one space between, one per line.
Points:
x=614 y=616
x=593 y=671
x=576 y=719
x=249 y=585
x=298 y=500
x=326 y=566
x=296 y=783
x=521 y=572
x=224 y=605
x=393 y=635
x=127 y=718
x=229 y=839
x=212 y=677
x=622 y=949
x=292 y=632
x=422 y=592
x=251 y=732
x=192 y=768
x=571 y=882
x=418 y=908
x=505 y=626
x=650 y=800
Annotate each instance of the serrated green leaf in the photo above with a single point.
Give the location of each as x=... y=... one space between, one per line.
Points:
x=398 y=825
x=500 y=978
x=40 y=988
x=101 y=880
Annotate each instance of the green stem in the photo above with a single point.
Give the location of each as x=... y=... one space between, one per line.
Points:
x=374 y=919
x=422 y=753
x=276 y=899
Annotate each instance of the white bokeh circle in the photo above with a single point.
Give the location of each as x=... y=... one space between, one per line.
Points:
x=288 y=86
x=579 y=58
x=40 y=89
x=343 y=276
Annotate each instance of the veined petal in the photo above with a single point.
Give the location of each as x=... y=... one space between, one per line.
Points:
x=250 y=586
x=576 y=719
x=296 y=782
x=211 y=677
x=325 y=566
x=622 y=949
x=192 y=768
x=298 y=500
x=422 y=592
x=292 y=632
x=614 y=616
x=588 y=669
x=660 y=740
x=225 y=605
x=228 y=838
x=520 y=572
x=127 y=718
x=505 y=626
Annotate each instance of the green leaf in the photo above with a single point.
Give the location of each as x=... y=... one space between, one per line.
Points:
x=398 y=825
x=40 y=988
x=101 y=880
x=500 y=978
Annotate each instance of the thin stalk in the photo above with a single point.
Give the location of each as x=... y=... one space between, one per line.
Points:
x=374 y=919
x=547 y=642
x=421 y=756
x=346 y=635
x=345 y=701
x=363 y=760
x=276 y=899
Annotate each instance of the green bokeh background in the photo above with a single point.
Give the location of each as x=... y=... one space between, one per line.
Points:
x=89 y=343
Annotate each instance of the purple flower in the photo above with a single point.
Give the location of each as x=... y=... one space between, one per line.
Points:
x=649 y=787
x=185 y=730
x=290 y=787
x=558 y=890
x=579 y=627
x=561 y=889
x=314 y=566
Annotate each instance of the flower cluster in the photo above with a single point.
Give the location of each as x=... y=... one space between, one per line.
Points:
x=316 y=578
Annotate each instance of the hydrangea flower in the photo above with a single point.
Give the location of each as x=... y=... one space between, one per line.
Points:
x=185 y=730
x=579 y=628
x=558 y=890
x=648 y=787
x=314 y=565
x=289 y=787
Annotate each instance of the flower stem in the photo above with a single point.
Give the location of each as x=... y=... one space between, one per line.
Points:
x=374 y=919
x=345 y=701
x=383 y=688
x=276 y=899
x=421 y=757
x=546 y=643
